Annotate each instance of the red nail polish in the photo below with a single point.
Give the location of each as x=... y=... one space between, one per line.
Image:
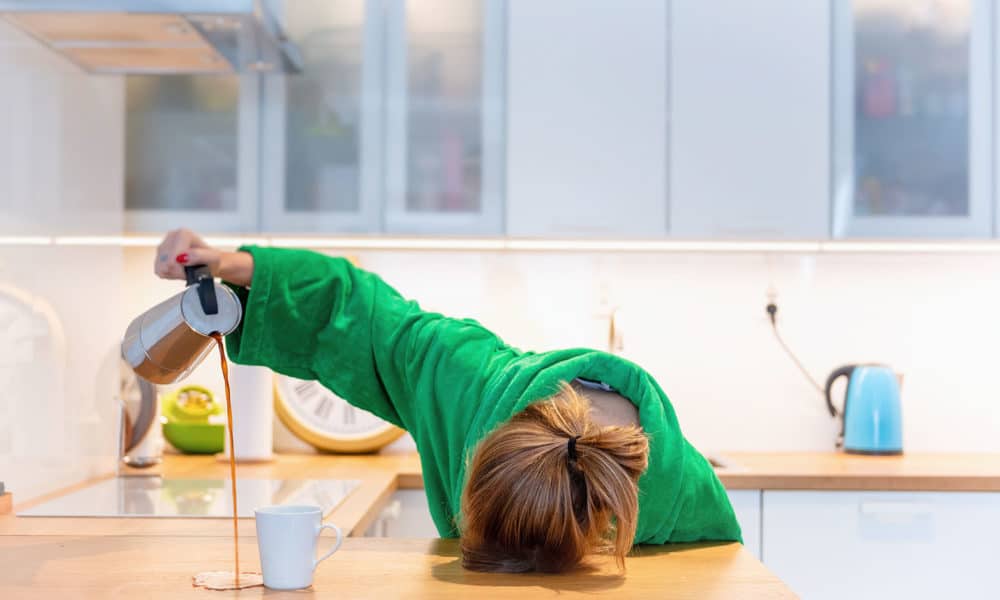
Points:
x=182 y=258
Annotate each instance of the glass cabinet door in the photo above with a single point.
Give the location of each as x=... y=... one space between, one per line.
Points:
x=322 y=127
x=912 y=118
x=190 y=152
x=444 y=116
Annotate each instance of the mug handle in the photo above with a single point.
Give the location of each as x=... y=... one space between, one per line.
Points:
x=336 y=546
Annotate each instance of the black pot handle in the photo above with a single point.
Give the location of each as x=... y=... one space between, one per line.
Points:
x=844 y=371
x=201 y=276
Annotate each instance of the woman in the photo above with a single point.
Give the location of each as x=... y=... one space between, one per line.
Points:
x=535 y=459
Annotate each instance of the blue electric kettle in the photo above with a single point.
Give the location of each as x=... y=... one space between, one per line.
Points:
x=871 y=420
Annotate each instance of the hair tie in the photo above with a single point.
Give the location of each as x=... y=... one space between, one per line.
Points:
x=571 y=447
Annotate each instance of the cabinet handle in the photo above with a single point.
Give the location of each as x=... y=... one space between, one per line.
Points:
x=896 y=509
x=392 y=511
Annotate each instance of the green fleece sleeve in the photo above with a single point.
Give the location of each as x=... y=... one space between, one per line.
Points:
x=314 y=316
x=705 y=511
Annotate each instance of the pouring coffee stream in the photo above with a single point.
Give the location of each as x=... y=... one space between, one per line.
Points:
x=232 y=458
x=167 y=342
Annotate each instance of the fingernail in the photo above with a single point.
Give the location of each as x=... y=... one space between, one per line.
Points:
x=182 y=258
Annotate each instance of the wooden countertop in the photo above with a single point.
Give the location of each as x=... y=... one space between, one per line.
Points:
x=155 y=558
x=381 y=475
x=107 y=557
x=839 y=471
x=132 y=566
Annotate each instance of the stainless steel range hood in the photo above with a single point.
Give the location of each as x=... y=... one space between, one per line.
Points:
x=159 y=36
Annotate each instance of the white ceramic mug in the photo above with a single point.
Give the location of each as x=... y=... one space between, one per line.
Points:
x=286 y=539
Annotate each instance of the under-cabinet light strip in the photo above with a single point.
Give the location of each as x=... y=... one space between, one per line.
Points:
x=107 y=240
x=531 y=245
x=391 y=243
x=660 y=246
x=25 y=240
x=911 y=247
x=233 y=241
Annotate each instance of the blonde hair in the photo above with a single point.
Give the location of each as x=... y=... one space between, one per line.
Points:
x=529 y=504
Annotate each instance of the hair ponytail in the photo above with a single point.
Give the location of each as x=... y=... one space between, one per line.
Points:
x=550 y=487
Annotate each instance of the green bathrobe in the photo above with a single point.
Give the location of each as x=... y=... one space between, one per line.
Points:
x=449 y=382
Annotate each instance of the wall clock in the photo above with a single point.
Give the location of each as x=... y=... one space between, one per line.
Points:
x=326 y=420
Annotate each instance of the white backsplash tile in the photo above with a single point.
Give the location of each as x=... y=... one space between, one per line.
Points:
x=61 y=159
x=59 y=309
x=697 y=323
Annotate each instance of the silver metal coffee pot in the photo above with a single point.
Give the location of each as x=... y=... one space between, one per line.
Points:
x=166 y=343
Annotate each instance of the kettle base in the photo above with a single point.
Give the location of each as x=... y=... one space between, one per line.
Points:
x=874 y=452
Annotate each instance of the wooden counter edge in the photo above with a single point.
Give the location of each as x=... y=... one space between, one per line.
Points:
x=884 y=483
x=410 y=480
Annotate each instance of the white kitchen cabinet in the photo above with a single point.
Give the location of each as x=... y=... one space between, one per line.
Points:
x=586 y=118
x=191 y=152
x=395 y=124
x=912 y=118
x=444 y=126
x=321 y=128
x=61 y=143
x=746 y=505
x=749 y=119
x=883 y=544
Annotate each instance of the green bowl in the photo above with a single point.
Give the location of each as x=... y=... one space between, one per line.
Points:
x=196 y=438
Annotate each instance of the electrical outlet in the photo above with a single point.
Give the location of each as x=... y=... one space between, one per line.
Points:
x=771 y=308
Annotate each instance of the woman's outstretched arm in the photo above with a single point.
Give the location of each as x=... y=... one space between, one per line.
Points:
x=314 y=316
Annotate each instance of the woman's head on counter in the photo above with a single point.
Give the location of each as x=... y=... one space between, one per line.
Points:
x=549 y=487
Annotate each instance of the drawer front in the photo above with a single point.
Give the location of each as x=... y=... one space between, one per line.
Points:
x=746 y=504
x=883 y=544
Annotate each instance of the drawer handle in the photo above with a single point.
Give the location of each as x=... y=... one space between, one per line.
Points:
x=896 y=509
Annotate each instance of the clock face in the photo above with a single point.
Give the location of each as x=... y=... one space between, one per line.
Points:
x=328 y=421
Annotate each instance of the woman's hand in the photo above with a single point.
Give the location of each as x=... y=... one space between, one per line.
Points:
x=183 y=247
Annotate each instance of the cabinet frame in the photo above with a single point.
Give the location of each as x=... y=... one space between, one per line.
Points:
x=490 y=217
x=982 y=220
x=245 y=217
x=261 y=143
x=275 y=216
